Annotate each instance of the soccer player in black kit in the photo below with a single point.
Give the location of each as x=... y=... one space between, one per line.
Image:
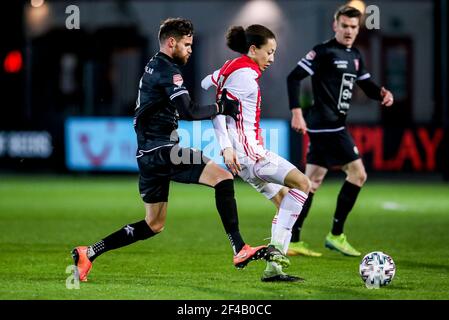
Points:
x=162 y=100
x=335 y=66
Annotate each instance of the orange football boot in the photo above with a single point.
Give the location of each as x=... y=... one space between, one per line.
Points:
x=82 y=263
x=248 y=253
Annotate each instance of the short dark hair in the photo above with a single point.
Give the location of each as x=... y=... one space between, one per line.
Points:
x=176 y=28
x=239 y=39
x=349 y=12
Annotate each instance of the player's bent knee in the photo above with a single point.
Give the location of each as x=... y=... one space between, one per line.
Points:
x=156 y=227
x=315 y=185
x=303 y=183
x=283 y=192
x=363 y=177
x=213 y=175
x=309 y=184
x=224 y=175
x=154 y=224
x=358 y=178
x=221 y=175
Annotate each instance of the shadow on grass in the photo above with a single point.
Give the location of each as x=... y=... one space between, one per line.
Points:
x=423 y=265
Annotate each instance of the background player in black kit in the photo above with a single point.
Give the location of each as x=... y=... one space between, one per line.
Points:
x=162 y=100
x=335 y=66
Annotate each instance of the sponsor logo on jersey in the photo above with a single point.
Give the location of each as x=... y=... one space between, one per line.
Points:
x=177 y=80
x=341 y=64
x=311 y=55
x=347 y=84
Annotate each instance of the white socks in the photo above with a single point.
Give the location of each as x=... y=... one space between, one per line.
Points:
x=290 y=208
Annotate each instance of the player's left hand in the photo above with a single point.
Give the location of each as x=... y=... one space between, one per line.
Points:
x=387 y=97
x=231 y=161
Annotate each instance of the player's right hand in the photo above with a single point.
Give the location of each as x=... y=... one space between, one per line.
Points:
x=231 y=161
x=387 y=97
x=228 y=106
x=298 y=123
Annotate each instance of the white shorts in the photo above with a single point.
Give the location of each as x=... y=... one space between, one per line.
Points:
x=267 y=175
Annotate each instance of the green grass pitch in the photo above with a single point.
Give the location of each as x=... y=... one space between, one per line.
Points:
x=43 y=218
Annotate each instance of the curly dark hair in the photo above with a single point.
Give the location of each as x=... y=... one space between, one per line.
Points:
x=176 y=28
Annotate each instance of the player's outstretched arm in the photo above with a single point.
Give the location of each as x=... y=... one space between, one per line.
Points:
x=189 y=110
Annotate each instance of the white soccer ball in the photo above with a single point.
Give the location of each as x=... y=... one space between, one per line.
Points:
x=377 y=269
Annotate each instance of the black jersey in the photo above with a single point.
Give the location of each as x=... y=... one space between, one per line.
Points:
x=334 y=69
x=163 y=100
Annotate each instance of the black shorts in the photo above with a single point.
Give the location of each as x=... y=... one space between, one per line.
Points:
x=158 y=167
x=331 y=149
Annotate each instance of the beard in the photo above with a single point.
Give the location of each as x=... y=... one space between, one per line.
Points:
x=179 y=59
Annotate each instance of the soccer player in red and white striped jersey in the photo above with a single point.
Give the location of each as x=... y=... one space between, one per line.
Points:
x=241 y=142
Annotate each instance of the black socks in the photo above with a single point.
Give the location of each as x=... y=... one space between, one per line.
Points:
x=346 y=199
x=227 y=208
x=123 y=237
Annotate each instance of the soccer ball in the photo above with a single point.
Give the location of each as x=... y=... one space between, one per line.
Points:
x=377 y=269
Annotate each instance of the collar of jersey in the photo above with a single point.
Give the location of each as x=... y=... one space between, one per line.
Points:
x=163 y=55
x=338 y=44
x=252 y=63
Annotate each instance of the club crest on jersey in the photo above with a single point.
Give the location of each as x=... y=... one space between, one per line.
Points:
x=356 y=64
x=177 y=80
x=311 y=55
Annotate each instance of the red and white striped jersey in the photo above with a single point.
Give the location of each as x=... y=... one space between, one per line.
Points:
x=240 y=77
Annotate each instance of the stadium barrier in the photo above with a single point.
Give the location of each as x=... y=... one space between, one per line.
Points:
x=109 y=144
x=30 y=150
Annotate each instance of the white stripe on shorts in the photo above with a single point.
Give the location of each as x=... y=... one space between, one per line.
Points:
x=325 y=130
x=142 y=152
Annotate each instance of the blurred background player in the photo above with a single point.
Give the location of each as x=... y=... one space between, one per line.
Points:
x=334 y=66
x=240 y=137
x=162 y=100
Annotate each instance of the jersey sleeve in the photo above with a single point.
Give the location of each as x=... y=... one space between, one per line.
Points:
x=294 y=86
x=210 y=80
x=310 y=62
x=362 y=73
x=173 y=83
x=371 y=89
x=221 y=132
